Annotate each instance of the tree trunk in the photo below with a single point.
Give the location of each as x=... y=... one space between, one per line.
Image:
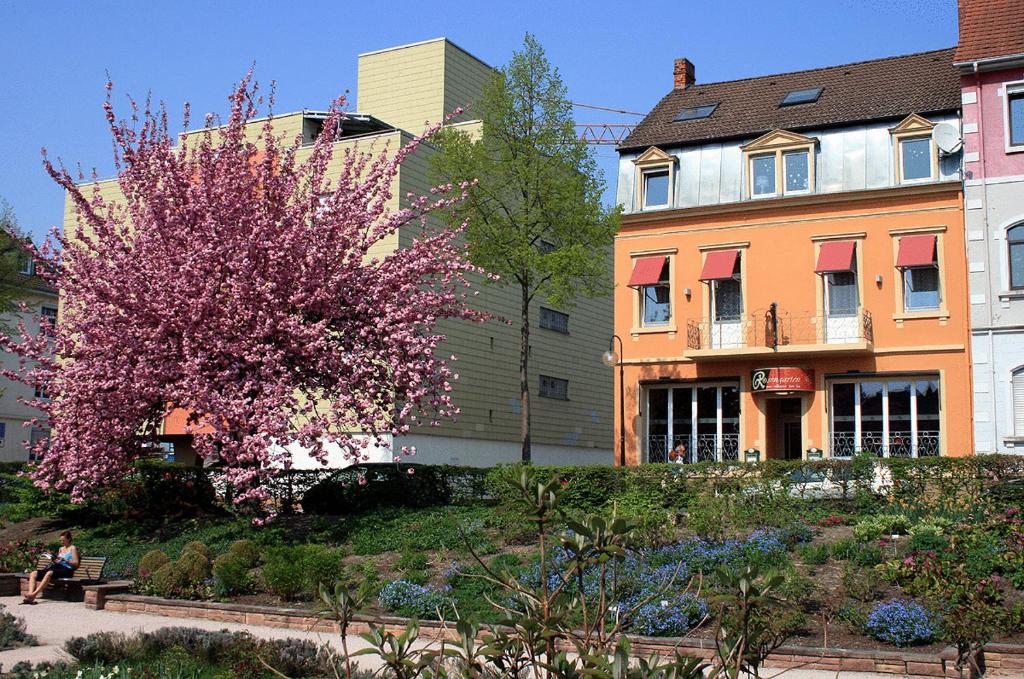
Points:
x=524 y=374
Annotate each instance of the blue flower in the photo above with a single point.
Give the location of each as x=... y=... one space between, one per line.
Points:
x=901 y=623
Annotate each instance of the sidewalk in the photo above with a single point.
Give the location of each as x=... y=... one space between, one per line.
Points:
x=54 y=622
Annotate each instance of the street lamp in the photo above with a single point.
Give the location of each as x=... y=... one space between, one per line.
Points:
x=611 y=359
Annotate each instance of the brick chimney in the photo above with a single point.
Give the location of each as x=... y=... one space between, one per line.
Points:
x=684 y=74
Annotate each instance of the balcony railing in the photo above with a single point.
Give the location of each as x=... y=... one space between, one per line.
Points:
x=700 y=448
x=773 y=328
x=897 y=444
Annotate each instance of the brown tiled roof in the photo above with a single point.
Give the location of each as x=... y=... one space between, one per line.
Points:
x=888 y=88
x=990 y=28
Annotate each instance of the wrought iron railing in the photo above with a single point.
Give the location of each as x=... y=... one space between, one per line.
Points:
x=690 y=449
x=898 y=444
x=774 y=327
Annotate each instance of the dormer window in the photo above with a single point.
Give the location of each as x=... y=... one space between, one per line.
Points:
x=779 y=163
x=916 y=158
x=655 y=172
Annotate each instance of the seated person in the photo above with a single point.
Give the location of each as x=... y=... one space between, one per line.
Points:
x=62 y=565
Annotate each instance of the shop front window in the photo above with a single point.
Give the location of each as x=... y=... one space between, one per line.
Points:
x=693 y=423
x=890 y=418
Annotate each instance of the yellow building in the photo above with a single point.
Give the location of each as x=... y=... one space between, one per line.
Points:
x=400 y=91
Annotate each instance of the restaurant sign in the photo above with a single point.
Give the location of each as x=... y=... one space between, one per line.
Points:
x=782 y=379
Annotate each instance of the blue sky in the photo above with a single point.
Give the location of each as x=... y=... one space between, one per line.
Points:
x=618 y=54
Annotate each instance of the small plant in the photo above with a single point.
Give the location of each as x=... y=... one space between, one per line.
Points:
x=18 y=556
x=813 y=555
x=674 y=616
x=927 y=537
x=901 y=623
x=283 y=572
x=859 y=583
x=197 y=547
x=833 y=520
x=12 y=632
x=413 y=601
x=881 y=525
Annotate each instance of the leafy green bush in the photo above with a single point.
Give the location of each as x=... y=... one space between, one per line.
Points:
x=12 y=632
x=197 y=547
x=169 y=581
x=231 y=575
x=290 y=572
x=246 y=551
x=927 y=536
x=881 y=525
x=283 y=572
x=153 y=561
x=195 y=567
x=859 y=553
x=367 y=487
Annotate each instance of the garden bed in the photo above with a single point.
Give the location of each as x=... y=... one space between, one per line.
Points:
x=933 y=661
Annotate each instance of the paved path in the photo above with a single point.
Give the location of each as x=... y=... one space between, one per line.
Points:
x=54 y=622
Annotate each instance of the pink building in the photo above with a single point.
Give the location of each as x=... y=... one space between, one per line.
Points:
x=990 y=57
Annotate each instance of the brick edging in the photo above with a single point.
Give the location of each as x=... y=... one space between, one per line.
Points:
x=1000 y=658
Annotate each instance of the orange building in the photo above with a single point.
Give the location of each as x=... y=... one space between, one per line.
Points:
x=791 y=279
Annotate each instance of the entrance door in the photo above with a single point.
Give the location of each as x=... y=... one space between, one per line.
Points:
x=785 y=428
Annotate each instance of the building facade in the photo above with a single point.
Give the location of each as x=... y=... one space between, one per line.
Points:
x=17 y=433
x=790 y=276
x=400 y=91
x=990 y=58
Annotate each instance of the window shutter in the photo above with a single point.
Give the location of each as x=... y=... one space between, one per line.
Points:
x=1018 y=403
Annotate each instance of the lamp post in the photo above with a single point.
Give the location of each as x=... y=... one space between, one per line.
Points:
x=611 y=359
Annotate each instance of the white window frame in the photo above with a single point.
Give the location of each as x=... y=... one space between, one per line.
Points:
x=1011 y=88
x=932 y=160
x=774 y=155
x=670 y=414
x=662 y=283
x=938 y=288
x=885 y=381
x=645 y=174
x=810 y=174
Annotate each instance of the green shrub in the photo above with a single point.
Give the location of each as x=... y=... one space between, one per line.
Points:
x=283 y=572
x=881 y=525
x=813 y=555
x=927 y=537
x=247 y=551
x=170 y=580
x=231 y=575
x=151 y=562
x=321 y=565
x=858 y=553
x=855 y=615
x=859 y=583
x=195 y=567
x=198 y=548
x=12 y=632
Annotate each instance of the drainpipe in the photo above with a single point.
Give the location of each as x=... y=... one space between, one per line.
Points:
x=988 y=259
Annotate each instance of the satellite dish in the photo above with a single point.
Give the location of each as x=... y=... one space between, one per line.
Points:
x=946 y=138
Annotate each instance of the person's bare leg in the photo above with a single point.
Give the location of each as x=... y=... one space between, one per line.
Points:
x=42 y=585
x=31 y=586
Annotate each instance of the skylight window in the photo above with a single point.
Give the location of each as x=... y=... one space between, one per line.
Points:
x=801 y=96
x=696 y=112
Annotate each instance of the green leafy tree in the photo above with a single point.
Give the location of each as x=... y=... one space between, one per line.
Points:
x=13 y=256
x=534 y=215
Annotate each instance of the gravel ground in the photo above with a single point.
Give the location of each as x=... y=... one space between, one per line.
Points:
x=54 y=622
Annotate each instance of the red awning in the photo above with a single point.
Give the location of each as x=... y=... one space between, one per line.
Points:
x=646 y=271
x=719 y=265
x=835 y=256
x=916 y=251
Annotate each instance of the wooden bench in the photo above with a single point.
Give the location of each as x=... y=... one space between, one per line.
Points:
x=89 y=572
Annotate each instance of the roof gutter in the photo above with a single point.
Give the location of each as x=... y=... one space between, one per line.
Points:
x=990 y=63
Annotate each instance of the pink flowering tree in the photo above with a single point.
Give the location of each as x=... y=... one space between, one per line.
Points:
x=233 y=281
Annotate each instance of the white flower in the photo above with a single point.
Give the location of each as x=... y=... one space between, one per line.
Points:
x=664 y=603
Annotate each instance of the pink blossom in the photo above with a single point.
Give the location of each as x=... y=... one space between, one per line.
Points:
x=232 y=281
